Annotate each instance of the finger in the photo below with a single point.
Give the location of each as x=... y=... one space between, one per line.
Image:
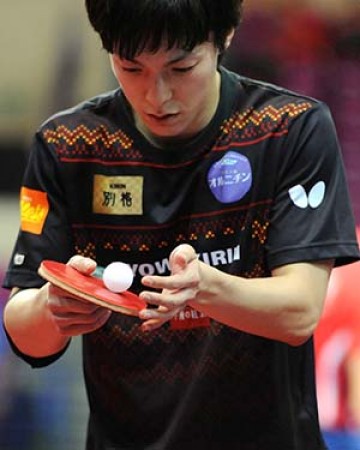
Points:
x=169 y=299
x=82 y=264
x=151 y=325
x=66 y=319
x=158 y=317
x=59 y=293
x=149 y=313
x=181 y=256
x=171 y=282
x=178 y=281
x=75 y=328
x=69 y=307
x=58 y=304
x=183 y=273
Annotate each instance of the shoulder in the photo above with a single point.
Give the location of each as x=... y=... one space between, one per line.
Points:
x=96 y=109
x=93 y=120
x=258 y=95
x=257 y=109
x=89 y=129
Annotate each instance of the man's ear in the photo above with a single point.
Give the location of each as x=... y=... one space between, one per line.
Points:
x=229 y=38
x=111 y=62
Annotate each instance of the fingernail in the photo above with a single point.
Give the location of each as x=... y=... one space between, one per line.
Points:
x=147 y=281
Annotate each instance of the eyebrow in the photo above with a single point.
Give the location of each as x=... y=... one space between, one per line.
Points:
x=175 y=60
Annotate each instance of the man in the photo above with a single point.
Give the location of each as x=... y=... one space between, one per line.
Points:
x=220 y=192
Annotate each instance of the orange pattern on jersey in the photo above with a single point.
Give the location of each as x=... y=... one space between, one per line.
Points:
x=98 y=135
x=253 y=118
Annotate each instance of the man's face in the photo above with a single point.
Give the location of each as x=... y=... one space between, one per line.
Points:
x=173 y=93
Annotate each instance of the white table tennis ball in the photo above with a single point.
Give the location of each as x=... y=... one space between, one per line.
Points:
x=118 y=277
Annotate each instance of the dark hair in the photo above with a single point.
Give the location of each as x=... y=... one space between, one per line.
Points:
x=128 y=27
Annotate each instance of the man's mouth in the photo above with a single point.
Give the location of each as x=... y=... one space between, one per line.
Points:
x=162 y=118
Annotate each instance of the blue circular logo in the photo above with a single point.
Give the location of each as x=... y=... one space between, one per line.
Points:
x=230 y=178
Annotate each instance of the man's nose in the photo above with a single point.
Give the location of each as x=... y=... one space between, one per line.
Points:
x=158 y=91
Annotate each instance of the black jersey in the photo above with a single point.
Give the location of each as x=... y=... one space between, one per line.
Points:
x=262 y=186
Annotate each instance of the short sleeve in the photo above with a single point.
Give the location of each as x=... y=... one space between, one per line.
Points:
x=312 y=218
x=44 y=227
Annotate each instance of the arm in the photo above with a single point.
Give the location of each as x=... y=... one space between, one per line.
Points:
x=285 y=307
x=41 y=321
x=353 y=380
x=29 y=322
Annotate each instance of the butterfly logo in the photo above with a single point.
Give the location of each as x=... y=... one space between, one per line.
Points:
x=314 y=199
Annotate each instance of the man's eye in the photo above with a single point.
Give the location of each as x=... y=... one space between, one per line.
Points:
x=183 y=69
x=131 y=69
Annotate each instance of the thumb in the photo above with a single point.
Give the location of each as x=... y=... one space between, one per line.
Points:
x=82 y=264
x=180 y=257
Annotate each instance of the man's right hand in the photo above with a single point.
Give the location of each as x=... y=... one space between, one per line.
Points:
x=41 y=321
x=74 y=316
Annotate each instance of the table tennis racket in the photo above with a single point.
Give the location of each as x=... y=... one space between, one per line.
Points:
x=90 y=288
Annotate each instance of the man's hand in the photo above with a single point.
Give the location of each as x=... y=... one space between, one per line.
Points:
x=72 y=315
x=177 y=289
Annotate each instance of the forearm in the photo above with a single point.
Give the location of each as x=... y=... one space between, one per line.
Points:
x=29 y=323
x=353 y=388
x=284 y=307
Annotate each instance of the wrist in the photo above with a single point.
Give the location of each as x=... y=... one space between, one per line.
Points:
x=212 y=285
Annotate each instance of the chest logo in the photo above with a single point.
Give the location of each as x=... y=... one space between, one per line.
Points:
x=118 y=195
x=230 y=178
x=314 y=199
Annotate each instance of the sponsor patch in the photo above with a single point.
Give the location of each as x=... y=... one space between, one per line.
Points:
x=118 y=195
x=19 y=259
x=230 y=178
x=313 y=199
x=34 y=209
